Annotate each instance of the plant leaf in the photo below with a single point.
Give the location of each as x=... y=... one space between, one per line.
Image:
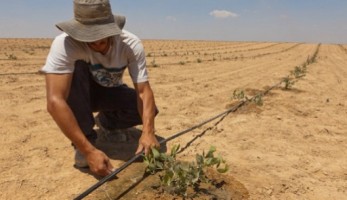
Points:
x=210 y=152
x=223 y=170
x=167 y=179
x=174 y=150
x=156 y=153
x=199 y=159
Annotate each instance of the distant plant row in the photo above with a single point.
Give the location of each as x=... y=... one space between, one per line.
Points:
x=220 y=57
x=287 y=82
x=30 y=50
x=194 y=47
x=205 y=51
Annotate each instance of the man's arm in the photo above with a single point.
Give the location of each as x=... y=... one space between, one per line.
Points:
x=57 y=88
x=147 y=110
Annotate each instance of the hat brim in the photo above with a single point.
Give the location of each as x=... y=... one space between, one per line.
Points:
x=92 y=32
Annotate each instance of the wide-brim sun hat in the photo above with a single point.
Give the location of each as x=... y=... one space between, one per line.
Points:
x=93 y=21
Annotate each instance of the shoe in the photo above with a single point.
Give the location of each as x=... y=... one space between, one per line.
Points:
x=116 y=135
x=80 y=160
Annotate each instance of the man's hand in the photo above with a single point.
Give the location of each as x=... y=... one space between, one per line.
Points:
x=99 y=163
x=146 y=142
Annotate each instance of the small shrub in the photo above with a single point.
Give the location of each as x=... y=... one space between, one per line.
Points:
x=154 y=64
x=299 y=72
x=239 y=94
x=12 y=57
x=258 y=99
x=288 y=83
x=178 y=176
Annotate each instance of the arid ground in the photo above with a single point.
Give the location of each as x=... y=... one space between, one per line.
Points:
x=294 y=146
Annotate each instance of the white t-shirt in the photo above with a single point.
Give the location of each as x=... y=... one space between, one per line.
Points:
x=126 y=51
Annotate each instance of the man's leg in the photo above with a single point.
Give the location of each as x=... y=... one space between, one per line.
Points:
x=79 y=99
x=117 y=107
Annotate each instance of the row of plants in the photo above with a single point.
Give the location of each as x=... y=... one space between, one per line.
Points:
x=30 y=50
x=299 y=71
x=288 y=81
x=221 y=58
x=194 y=46
x=205 y=52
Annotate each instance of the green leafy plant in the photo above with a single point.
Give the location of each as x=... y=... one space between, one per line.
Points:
x=154 y=64
x=12 y=57
x=182 y=63
x=299 y=72
x=178 y=176
x=258 y=99
x=288 y=83
x=239 y=94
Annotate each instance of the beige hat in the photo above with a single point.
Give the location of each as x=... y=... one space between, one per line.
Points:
x=93 y=21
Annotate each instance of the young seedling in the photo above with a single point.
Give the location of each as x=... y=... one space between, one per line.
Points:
x=288 y=83
x=154 y=64
x=178 y=176
x=12 y=57
x=239 y=94
x=258 y=99
x=298 y=72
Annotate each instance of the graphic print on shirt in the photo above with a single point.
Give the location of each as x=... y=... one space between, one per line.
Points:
x=108 y=77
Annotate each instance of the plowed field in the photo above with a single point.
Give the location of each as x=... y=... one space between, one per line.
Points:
x=292 y=147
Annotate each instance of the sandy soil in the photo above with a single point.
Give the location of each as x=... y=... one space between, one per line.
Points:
x=292 y=147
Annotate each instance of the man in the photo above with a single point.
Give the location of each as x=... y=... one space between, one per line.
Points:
x=84 y=72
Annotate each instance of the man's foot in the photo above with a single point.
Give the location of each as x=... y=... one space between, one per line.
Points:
x=80 y=160
x=116 y=135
